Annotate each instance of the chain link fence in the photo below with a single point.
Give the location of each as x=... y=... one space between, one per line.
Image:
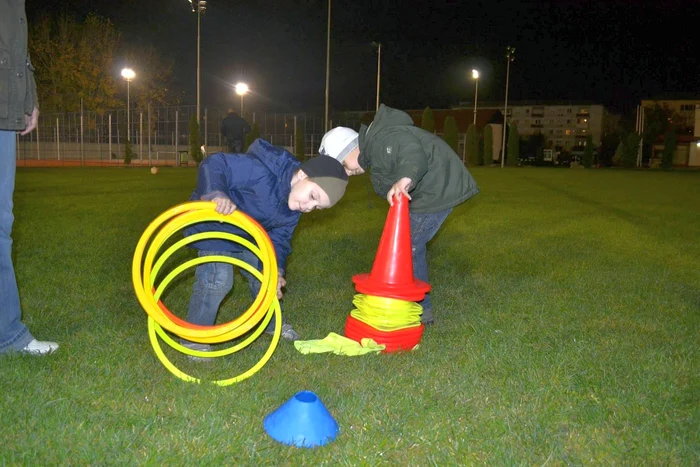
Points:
x=159 y=136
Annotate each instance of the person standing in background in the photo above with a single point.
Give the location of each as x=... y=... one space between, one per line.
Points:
x=19 y=112
x=234 y=129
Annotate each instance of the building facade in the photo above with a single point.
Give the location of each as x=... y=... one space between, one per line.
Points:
x=565 y=126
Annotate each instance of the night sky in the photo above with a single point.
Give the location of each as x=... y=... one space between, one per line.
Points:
x=610 y=52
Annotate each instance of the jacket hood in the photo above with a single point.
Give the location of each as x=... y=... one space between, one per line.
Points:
x=274 y=158
x=386 y=117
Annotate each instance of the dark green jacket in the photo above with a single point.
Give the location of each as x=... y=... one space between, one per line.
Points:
x=17 y=86
x=393 y=148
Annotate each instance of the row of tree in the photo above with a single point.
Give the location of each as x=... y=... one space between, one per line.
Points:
x=478 y=149
x=619 y=146
x=78 y=67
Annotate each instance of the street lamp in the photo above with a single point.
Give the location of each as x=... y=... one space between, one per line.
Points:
x=242 y=89
x=475 y=75
x=128 y=74
x=510 y=56
x=198 y=6
x=379 y=68
x=328 y=66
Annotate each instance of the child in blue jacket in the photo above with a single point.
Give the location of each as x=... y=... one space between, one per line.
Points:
x=272 y=187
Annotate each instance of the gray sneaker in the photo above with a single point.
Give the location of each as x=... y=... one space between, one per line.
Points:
x=196 y=346
x=427 y=317
x=288 y=332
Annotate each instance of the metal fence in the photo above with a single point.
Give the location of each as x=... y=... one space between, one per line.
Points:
x=159 y=136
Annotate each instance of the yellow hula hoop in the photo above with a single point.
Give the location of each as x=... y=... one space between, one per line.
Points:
x=145 y=272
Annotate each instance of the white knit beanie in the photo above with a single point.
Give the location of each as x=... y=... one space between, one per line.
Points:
x=338 y=143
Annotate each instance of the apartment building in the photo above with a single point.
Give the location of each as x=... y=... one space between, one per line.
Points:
x=564 y=125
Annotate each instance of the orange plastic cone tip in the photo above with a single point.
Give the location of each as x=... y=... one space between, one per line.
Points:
x=392 y=272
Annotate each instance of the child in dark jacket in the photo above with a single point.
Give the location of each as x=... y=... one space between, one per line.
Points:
x=408 y=160
x=272 y=187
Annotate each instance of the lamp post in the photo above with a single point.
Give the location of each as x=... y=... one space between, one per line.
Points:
x=128 y=74
x=198 y=6
x=328 y=66
x=510 y=56
x=379 y=68
x=242 y=89
x=475 y=75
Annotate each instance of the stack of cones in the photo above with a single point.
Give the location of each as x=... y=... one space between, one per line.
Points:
x=386 y=312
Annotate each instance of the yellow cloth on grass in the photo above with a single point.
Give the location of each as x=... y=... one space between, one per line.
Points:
x=339 y=345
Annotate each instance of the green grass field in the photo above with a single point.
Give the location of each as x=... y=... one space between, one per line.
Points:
x=568 y=320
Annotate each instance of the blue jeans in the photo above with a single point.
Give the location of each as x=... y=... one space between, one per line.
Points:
x=13 y=334
x=214 y=281
x=424 y=226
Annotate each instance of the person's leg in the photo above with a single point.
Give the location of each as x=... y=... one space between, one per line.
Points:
x=288 y=331
x=13 y=334
x=231 y=145
x=424 y=226
x=213 y=282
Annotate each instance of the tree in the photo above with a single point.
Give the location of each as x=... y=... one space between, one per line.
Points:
x=451 y=137
x=487 y=155
x=588 y=153
x=513 y=145
x=195 y=146
x=299 y=143
x=472 y=146
x=629 y=156
x=252 y=135
x=154 y=78
x=428 y=120
x=610 y=138
x=669 y=147
x=75 y=63
x=128 y=148
x=656 y=123
x=619 y=153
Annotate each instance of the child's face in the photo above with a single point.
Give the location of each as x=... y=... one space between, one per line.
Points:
x=307 y=196
x=351 y=163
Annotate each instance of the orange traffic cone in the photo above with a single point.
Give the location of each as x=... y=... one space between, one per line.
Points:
x=392 y=271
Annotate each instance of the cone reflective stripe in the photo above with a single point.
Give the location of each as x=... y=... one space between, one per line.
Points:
x=392 y=271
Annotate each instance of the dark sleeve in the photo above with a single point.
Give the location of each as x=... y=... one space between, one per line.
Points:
x=411 y=159
x=221 y=173
x=32 y=96
x=281 y=238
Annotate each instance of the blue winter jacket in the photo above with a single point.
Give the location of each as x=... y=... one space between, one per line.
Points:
x=259 y=183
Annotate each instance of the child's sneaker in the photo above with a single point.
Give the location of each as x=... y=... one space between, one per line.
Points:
x=427 y=317
x=288 y=332
x=36 y=347
x=196 y=346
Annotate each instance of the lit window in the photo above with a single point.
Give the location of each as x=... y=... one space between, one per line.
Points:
x=568 y=132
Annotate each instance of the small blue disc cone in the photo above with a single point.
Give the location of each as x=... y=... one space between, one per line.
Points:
x=302 y=421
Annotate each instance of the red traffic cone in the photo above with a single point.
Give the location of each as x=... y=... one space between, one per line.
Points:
x=392 y=271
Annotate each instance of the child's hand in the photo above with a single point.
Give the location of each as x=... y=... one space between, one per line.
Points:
x=281 y=282
x=224 y=205
x=401 y=186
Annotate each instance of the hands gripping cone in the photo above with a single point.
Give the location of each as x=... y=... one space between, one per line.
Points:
x=386 y=313
x=392 y=271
